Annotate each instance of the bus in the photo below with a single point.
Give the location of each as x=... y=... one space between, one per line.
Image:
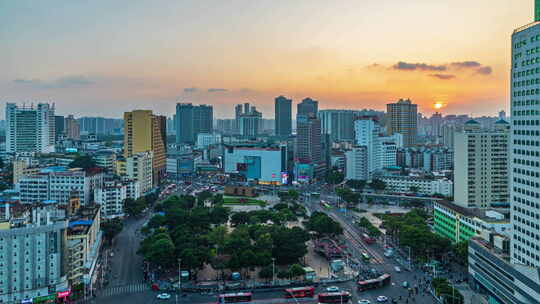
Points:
x=334 y=297
x=367 y=239
x=240 y=297
x=379 y=282
x=365 y=257
x=300 y=292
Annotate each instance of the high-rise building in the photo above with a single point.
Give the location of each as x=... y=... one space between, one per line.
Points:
x=356 y=164
x=58 y=126
x=367 y=131
x=525 y=139
x=339 y=124
x=145 y=132
x=308 y=107
x=237 y=112
x=308 y=150
x=100 y=125
x=30 y=128
x=402 y=118
x=249 y=121
x=283 y=116
x=72 y=128
x=481 y=165
x=192 y=120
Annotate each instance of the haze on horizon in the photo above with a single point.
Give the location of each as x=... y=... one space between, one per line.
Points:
x=106 y=57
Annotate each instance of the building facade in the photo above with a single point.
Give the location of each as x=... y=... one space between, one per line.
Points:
x=356 y=163
x=339 y=124
x=420 y=185
x=72 y=128
x=402 y=118
x=263 y=164
x=30 y=128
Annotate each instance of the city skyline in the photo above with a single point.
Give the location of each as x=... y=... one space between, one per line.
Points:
x=146 y=57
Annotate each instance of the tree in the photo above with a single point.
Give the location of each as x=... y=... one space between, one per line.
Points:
x=134 y=207
x=266 y=272
x=161 y=252
x=377 y=184
x=219 y=215
x=203 y=196
x=85 y=162
x=323 y=225
x=112 y=227
x=356 y=184
x=296 y=271
x=347 y=195
x=240 y=218
x=289 y=244
x=334 y=177
x=461 y=252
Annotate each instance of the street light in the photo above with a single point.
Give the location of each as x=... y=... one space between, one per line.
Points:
x=179 y=278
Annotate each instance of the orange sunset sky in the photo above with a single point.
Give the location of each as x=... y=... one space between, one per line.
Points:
x=106 y=57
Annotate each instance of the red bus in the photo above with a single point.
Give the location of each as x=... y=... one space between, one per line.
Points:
x=379 y=282
x=240 y=297
x=334 y=297
x=367 y=239
x=300 y=292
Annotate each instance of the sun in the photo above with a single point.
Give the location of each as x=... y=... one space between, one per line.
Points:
x=438 y=105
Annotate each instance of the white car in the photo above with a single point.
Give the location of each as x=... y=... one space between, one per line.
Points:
x=397 y=269
x=382 y=299
x=163 y=296
x=364 y=301
x=332 y=289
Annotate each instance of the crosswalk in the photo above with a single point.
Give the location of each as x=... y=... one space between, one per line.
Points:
x=124 y=289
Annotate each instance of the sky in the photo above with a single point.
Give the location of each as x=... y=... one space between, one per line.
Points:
x=102 y=57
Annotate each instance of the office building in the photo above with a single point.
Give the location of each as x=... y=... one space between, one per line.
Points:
x=283 y=116
x=72 y=129
x=137 y=167
x=226 y=126
x=426 y=158
x=309 y=149
x=356 y=163
x=266 y=165
x=402 y=118
x=204 y=140
x=192 y=120
x=145 y=132
x=58 y=184
x=105 y=159
x=180 y=163
x=100 y=125
x=249 y=121
x=459 y=224
x=30 y=128
x=481 y=165
x=339 y=124
x=33 y=267
x=308 y=107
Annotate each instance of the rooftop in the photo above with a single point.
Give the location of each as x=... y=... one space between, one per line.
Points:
x=476 y=212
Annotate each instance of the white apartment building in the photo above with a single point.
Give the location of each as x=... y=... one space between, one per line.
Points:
x=105 y=160
x=525 y=143
x=30 y=128
x=207 y=139
x=356 y=163
x=481 y=165
x=55 y=183
x=112 y=196
x=139 y=167
x=32 y=256
x=427 y=186
x=367 y=132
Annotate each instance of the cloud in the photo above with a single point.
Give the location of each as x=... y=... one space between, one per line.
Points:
x=373 y=66
x=405 y=66
x=66 y=82
x=466 y=64
x=486 y=70
x=443 y=76
x=214 y=90
x=190 y=90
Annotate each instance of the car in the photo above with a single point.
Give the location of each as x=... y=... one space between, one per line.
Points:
x=364 y=301
x=332 y=289
x=405 y=284
x=163 y=296
x=382 y=299
x=397 y=269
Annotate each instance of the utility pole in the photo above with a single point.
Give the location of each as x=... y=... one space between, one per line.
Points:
x=273 y=271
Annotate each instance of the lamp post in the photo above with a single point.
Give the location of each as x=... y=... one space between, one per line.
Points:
x=179 y=278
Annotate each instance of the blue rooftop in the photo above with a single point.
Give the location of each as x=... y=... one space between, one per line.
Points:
x=80 y=222
x=54 y=169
